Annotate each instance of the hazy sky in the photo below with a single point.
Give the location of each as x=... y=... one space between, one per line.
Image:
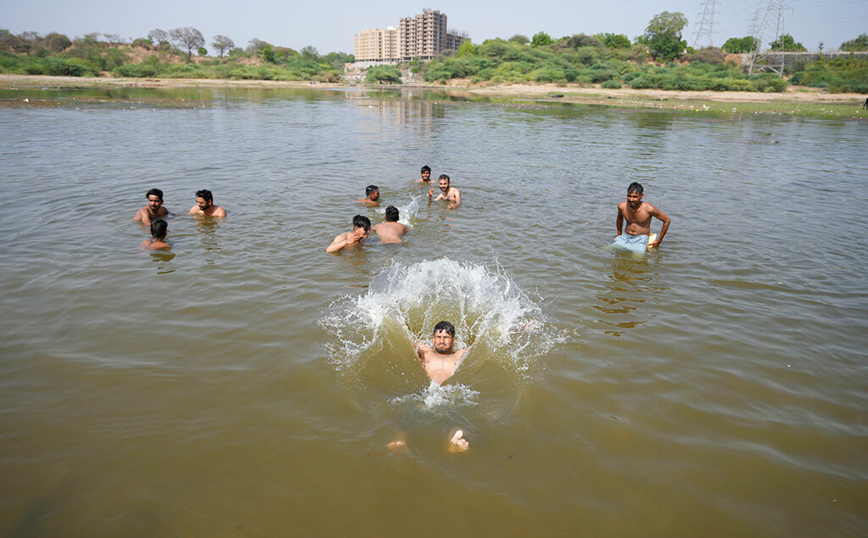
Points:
x=329 y=25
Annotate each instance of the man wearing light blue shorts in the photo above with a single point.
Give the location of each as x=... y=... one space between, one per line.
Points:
x=638 y=215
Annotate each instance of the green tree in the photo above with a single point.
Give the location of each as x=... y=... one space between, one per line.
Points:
x=202 y=51
x=310 y=53
x=615 y=41
x=739 y=45
x=56 y=42
x=383 y=73
x=188 y=38
x=221 y=44
x=268 y=54
x=663 y=36
x=786 y=43
x=520 y=39
x=855 y=45
x=541 y=39
x=466 y=49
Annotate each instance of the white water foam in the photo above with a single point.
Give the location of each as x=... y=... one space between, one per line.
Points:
x=497 y=322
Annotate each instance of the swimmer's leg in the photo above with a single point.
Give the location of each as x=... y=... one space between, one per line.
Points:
x=457 y=442
x=399 y=444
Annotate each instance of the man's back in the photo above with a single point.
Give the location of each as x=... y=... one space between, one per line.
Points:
x=391 y=232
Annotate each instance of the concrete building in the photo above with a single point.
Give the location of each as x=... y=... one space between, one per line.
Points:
x=421 y=37
x=376 y=45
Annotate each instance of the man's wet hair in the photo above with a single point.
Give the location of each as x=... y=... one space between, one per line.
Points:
x=426 y=168
x=205 y=194
x=154 y=192
x=392 y=214
x=444 y=176
x=361 y=222
x=371 y=188
x=159 y=228
x=635 y=187
x=445 y=326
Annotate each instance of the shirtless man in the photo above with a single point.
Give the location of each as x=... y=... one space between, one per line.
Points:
x=154 y=208
x=205 y=205
x=638 y=216
x=440 y=363
x=361 y=230
x=391 y=230
x=372 y=195
x=426 y=175
x=159 y=230
x=447 y=192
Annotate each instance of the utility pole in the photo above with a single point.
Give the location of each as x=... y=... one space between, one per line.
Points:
x=766 y=28
x=706 y=23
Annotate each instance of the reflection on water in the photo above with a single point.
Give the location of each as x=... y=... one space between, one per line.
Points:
x=244 y=382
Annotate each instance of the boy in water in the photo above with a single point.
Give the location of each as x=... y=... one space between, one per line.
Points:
x=159 y=230
x=372 y=195
x=205 y=206
x=426 y=175
x=361 y=230
x=447 y=192
x=440 y=363
x=391 y=230
x=154 y=208
x=638 y=215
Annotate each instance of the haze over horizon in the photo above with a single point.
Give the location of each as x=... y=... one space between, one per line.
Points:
x=330 y=27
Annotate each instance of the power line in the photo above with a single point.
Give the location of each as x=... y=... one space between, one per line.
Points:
x=706 y=23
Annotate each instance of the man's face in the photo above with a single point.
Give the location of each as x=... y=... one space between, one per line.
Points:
x=443 y=341
x=154 y=203
x=426 y=175
x=634 y=199
x=203 y=203
x=374 y=196
x=444 y=184
x=362 y=233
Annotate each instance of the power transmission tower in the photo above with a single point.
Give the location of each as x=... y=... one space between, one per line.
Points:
x=766 y=28
x=706 y=22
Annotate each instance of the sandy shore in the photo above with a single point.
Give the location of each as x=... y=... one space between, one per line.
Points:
x=793 y=98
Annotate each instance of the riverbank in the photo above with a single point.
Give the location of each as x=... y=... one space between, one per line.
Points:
x=797 y=101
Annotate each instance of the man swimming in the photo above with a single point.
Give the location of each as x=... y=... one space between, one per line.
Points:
x=426 y=175
x=205 y=206
x=154 y=208
x=159 y=230
x=391 y=230
x=638 y=216
x=447 y=192
x=440 y=363
x=361 y=230
x=372 y=195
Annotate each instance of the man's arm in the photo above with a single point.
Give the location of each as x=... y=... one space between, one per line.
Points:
x=457 y=199
x=219 y=213
x=664 y=218
x=142 y=216
x=619 y=222
x=430 y=193
x=340 y=242
x=195 y=210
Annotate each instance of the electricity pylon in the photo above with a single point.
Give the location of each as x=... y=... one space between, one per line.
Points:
x=706 y=23
x=766 y=28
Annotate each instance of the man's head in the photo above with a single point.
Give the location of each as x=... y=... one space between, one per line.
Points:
x=362 y=224
x=444 y=337
x=372 y=193
x=392 y=214
x=426 y=173
x=155 y=199
x=204 y=199
x=443 y=181
x=159 y=228
x=634 y=194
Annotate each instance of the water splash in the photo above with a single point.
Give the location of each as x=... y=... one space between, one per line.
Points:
x=502 y=327
x=407 y=212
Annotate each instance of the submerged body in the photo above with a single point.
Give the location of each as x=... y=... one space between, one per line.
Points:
x=638 y=214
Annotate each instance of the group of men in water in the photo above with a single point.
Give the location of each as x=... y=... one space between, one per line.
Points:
x=153 y=213
x=439 y=360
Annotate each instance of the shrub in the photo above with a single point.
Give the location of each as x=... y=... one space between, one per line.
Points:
x=610 y=85
x=383 y=73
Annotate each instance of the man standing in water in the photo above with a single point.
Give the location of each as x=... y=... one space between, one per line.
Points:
x=361 y=230
x=154 y=208
x=426 y=175
x=447 y=192
x=372 y=195
x=638 y=216
x=159 y=230
x=440 y=363
x=391 y=230
x=205 y=205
